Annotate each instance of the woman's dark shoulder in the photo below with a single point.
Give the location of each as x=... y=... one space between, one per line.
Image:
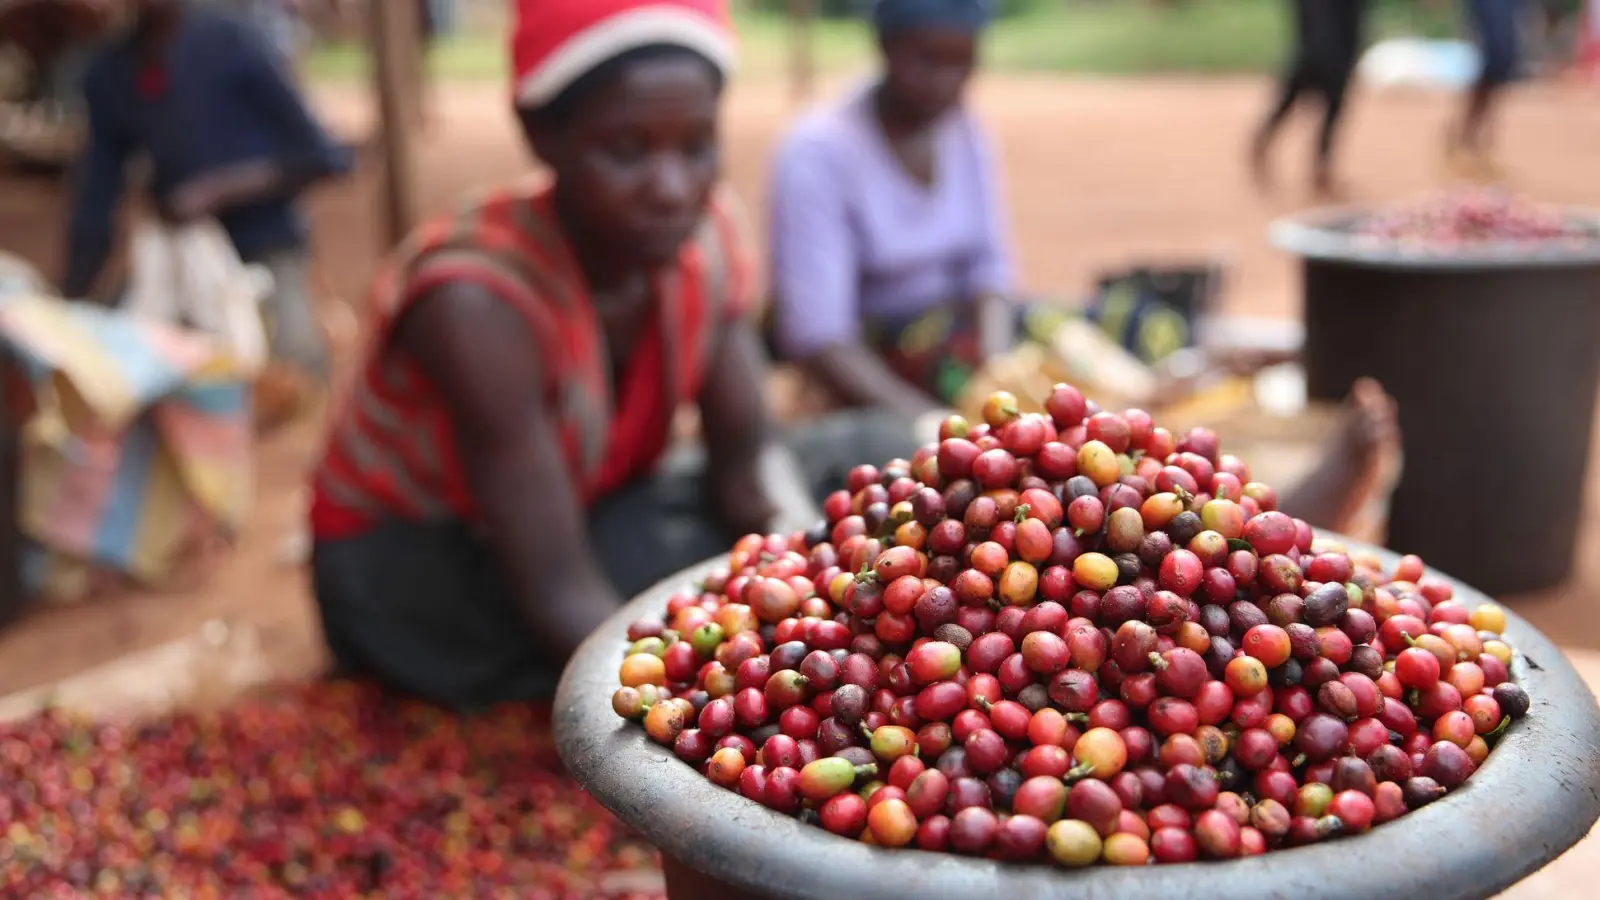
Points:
x=512 y=218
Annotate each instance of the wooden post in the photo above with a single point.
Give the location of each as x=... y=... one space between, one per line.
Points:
x=802 y=50
x=15 y=394
x=390 y=22
x=416 y=62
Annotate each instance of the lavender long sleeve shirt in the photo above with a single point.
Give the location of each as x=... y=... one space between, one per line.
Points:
x=856 y=238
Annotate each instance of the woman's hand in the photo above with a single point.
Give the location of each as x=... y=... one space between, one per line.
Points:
x=741 y=501
x=191 y=201
x=206 y=195
x=756 y=486
x=769 y=497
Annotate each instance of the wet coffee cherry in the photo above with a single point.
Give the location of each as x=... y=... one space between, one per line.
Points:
x=973 y=831
x=1020 y=838
x=1123 y=849
x=1217 y=834
x=1073 y=843
x=1513 y=700
x=844 y=814
x=1094 y=802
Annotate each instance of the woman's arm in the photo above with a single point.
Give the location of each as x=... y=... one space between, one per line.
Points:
x=755 y=482
x=991 y=275
x=478 y=353
x=857 y=376
x=98 y=190
x=14 y=597
x=222 y=189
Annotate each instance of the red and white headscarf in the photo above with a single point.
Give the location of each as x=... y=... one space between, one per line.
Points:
x=556 y=42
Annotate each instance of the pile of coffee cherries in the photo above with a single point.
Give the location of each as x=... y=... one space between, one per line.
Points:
x=1473 y=217
x=1072 y=636
x=330 y=791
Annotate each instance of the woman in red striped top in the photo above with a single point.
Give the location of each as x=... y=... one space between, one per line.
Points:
x=490 y=486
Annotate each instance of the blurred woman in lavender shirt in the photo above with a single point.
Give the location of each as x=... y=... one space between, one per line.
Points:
x=892 y=271
x=891 y=263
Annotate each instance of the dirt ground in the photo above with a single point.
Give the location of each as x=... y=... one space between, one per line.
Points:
x=1099 y=173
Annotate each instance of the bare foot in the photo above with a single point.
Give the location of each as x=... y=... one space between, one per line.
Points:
x=1473 y=166
x=1358 y=463
x=1325 y=188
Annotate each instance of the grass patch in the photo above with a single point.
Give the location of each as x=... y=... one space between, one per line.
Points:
x=1107 y=37
x=1118 y=37
x=480 y=55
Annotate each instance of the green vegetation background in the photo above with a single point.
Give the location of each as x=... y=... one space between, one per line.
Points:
x=1106 y=37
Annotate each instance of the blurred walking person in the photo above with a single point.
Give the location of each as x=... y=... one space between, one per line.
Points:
x=1328 y=39
x=205 y=99
x=1588 y=56
x=1498 y=26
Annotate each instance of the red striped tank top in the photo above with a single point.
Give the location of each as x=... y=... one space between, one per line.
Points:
x=391 y=450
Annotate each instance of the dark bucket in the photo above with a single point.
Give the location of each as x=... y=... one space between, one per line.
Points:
x=1493 y=359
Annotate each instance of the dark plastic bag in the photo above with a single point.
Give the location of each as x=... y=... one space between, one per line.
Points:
x=1152 y=311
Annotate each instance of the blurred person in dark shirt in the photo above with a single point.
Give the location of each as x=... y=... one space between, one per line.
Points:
x=210 y=104
x=278 y=20
x=1328 y=38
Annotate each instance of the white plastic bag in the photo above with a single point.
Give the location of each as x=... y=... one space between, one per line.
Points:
x=18 y=278
x=191 y=275
x=1418 y=63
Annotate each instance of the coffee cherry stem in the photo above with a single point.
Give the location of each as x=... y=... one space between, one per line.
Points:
x=1078 y=773
x=1499 y=729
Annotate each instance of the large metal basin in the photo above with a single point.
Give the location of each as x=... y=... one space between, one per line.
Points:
x=1537 y=795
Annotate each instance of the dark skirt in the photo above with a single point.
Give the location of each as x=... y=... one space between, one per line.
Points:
x=424 y=606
